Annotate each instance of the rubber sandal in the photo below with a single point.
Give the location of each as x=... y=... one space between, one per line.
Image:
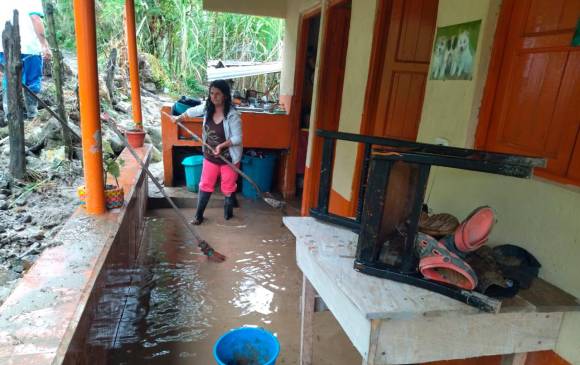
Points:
x=474 y=231
x=438 y=225
x=439 y=264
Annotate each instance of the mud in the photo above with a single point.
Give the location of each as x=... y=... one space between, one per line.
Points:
x=176 y=304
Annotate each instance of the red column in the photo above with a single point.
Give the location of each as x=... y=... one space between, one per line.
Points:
x=84 y=11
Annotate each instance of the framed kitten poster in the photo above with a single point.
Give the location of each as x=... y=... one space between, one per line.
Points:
x=454 y=51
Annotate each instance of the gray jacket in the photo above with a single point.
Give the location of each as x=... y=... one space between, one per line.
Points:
x=233 y=132
x=232 y=129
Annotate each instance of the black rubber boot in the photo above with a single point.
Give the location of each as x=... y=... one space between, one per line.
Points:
x=235 y=200
x=228 y=207
x=202 y=199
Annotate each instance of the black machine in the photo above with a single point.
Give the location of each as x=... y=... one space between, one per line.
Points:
x=393 y=182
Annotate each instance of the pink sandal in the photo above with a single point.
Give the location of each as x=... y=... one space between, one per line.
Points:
x=474 y=231
x=440 y=264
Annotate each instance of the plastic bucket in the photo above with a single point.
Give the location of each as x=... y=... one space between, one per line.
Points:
x=192 y=165
x=261 y=171
x=246 y=346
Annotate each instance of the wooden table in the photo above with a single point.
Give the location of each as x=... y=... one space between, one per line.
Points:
x=394 y=323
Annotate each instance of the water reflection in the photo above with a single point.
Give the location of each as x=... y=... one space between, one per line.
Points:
x=148 y=312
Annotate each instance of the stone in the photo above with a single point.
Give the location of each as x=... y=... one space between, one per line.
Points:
x=26 y=218
x=18 y=227
x=3 y=205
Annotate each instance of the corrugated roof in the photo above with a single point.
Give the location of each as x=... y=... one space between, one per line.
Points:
x=242 y=71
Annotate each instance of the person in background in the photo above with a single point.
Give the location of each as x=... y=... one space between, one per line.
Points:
x=222 y=130
x=33 y=44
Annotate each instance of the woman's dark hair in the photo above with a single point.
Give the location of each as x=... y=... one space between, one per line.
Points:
x=224 y=87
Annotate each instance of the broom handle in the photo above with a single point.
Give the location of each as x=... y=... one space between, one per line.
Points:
x=157 y=184
x=230 y=164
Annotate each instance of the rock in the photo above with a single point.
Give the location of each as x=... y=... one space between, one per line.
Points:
x=155 y=134
x=150 y=86
x=17 y=267
x=2 y=196
x=18 y=228
x=21 y=202
x=6 y=191
x=26 y=218
x=3 y=205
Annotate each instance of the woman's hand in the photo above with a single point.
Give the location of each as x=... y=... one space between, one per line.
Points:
x=220 y=147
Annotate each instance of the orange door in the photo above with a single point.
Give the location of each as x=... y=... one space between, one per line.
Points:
x=410 y=29
x=535 y=110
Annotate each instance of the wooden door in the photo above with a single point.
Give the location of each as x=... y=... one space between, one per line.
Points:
x=403 y=68
x=535 y=106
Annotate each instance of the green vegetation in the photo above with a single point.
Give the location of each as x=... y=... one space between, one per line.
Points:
x=181 y=35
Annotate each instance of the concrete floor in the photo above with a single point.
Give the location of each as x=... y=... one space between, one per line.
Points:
x=259 y=284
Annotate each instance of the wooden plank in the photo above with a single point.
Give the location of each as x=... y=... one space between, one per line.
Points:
x=307 y=309
x=445 y=338
x=546 y=297
x=514 y=359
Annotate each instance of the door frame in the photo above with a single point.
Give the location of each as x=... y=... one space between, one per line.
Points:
x=380 y=36
x=290 y=162
x=493 y=73
x=326 y=54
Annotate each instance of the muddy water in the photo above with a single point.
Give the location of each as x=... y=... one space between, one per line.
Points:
x=175 y=304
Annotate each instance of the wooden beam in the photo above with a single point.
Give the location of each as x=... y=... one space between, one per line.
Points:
x=11 y=44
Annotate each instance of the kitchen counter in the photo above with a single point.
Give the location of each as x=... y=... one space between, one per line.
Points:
x=260 y=130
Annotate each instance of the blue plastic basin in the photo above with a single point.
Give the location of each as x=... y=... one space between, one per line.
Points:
x=246 y=346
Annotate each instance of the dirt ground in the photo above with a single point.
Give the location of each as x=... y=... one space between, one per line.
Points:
x=191 y=303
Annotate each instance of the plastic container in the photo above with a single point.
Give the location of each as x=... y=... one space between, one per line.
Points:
x=247 y=346
x=259 y=169
x=193 y=165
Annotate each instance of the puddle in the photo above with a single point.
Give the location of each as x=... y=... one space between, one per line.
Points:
x=174 y=305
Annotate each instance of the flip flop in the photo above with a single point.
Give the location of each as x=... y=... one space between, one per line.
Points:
x=474 y=231
x=438 y=263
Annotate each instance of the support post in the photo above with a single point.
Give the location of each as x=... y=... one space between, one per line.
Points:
x=84 y=11
x=133 y=62
x=13 y=69
x=307 y=307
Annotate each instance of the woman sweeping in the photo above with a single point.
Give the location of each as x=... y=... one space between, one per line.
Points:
x=222 y=130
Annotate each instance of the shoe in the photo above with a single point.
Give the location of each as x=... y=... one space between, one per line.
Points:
x=235 y=200
x=202 y=200
x=228 y=207
x=439 y=264
x=473 y=232
x=437 y=225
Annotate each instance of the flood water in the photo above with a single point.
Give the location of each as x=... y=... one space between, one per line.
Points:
x=176 y=304
x=173 y=305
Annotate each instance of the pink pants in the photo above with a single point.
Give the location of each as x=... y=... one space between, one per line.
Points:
x=210 y=173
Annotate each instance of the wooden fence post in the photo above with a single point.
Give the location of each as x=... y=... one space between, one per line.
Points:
x=57 y=75
x=15 y=117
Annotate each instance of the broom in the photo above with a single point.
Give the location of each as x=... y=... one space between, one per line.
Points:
x=267 y=197
x=202 y=244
